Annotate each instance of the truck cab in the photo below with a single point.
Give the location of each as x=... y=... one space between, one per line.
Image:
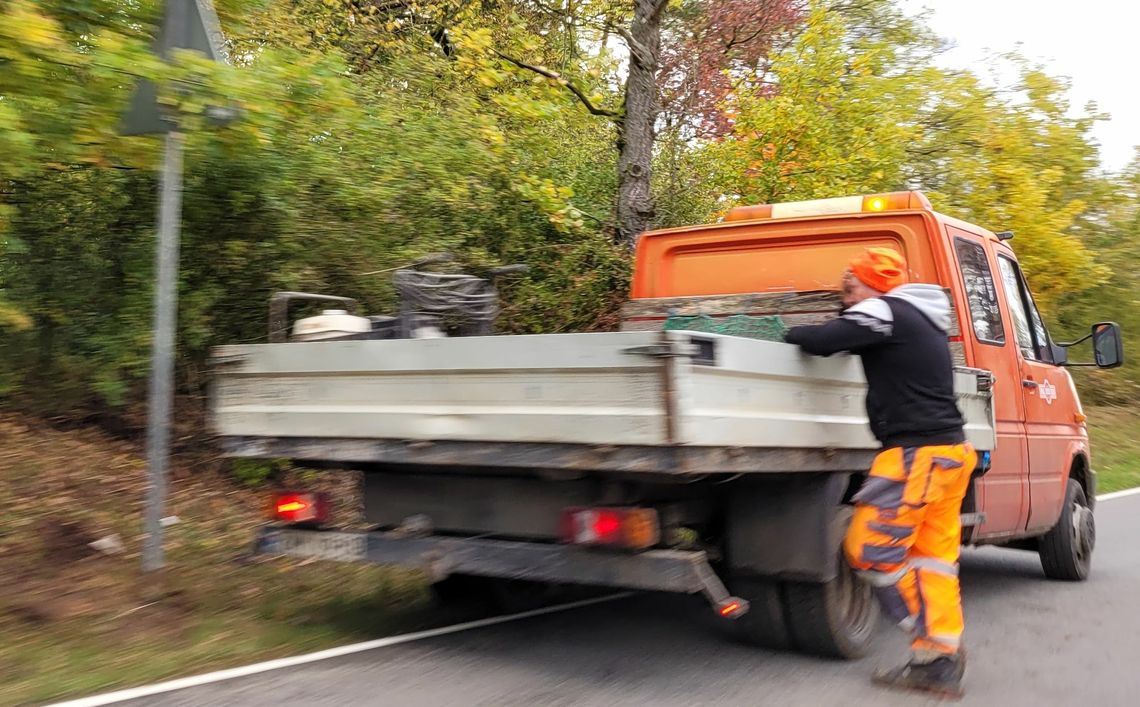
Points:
x=803 y=247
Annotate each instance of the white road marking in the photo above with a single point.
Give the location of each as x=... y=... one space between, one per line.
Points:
x=135 y=693
x=1118 y=494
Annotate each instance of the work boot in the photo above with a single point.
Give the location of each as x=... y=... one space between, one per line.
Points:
x=941 y=676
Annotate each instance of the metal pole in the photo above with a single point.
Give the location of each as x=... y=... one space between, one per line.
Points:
x=161 y=398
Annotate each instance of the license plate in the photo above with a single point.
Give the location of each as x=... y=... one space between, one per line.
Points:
x=340 y=547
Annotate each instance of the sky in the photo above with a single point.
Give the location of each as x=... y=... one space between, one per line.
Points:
x=1095 y=43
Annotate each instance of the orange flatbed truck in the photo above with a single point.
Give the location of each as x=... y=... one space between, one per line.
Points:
x=664 y=459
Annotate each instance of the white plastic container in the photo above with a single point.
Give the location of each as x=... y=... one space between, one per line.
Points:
x=330 y=324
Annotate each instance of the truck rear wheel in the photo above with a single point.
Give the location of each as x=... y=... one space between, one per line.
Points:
x=833 y=619
x=1066 y=550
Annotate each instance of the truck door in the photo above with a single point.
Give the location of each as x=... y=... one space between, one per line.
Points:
x=1048 y=396
x=1003 y=493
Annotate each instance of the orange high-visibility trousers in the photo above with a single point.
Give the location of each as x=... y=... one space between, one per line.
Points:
x=905 y=538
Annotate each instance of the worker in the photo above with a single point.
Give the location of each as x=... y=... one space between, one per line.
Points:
x=905 y=532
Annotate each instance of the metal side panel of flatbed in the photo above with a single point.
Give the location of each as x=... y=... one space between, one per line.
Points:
x=569 y=389
x=760 y=393
x=639 y=401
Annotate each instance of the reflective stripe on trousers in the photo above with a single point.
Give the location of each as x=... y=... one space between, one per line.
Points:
x=905 y=535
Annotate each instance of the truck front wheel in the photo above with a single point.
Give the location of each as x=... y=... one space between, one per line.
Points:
x=1066 y=550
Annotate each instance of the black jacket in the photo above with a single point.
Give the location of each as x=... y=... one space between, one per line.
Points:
x=901 y=338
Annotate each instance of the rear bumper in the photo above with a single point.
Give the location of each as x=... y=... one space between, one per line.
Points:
x=680 y=571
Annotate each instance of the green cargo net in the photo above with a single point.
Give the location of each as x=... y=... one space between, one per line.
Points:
x=766 y=328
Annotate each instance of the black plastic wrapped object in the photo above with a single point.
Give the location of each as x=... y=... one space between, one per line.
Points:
x=384 y=328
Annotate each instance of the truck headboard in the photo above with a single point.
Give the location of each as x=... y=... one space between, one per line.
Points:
x=794 y=308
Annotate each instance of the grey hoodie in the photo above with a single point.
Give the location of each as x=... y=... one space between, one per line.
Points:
x=931 y=300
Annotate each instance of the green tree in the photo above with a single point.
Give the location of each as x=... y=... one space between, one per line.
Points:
x=329 y=175
x=1013 y=159
x=855 y=105
x=1117 y=246
x=374 y=132
x=833 y=114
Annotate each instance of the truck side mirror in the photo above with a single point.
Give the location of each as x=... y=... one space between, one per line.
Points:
x=1108 y=345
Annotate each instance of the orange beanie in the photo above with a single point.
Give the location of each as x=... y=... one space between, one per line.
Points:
x=881 y=269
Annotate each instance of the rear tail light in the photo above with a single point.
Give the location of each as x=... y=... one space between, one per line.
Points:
x=633 y=528
x=307 y=508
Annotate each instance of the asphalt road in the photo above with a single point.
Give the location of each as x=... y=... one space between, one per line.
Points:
x=1031 y=642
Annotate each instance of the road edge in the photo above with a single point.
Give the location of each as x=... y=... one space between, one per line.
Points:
x=1118 y=494
x=134 y=693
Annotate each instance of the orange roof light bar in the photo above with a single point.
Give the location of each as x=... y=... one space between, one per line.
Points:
x=889 y=201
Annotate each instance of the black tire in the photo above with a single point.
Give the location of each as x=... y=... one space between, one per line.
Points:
x=835 y=619
x=765 y=624
x=1066 y=550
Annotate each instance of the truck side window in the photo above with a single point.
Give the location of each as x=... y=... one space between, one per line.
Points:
x=980 y=291
x=1032 y=338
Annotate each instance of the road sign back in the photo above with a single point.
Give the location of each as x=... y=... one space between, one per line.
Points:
x=187 y=24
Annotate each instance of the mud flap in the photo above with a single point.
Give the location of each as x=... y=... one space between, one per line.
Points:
x=786 y=527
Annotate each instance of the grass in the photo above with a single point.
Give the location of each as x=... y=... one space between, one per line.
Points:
x=76 y=622
x=1114 y=434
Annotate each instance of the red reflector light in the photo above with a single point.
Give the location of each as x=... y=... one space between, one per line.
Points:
x=301 y=508
x=635 y=528
x=732 y=608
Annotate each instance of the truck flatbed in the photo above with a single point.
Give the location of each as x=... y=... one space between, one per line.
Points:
x=632 y=402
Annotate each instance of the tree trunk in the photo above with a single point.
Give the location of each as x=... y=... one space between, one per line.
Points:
x=635 y=210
